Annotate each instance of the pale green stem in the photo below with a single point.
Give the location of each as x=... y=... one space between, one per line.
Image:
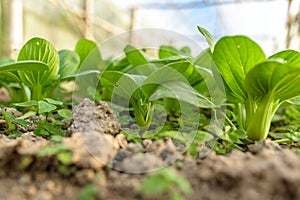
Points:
x=36 y=93
x=259 y=122
x=143 y=113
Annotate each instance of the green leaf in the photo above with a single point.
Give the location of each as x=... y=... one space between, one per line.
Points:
x=185 y=51
x=135 y=56
x=168 y=60
x=234 y=57
x=24 y=65
x=168 y=51
x=27 y=103
x=69 y=62
x=209 y=38
x=83 y=73
x=175 y=80
x=64 y=157
x=40 y=50
x=176 y=71
x=288 y=56
x=89 y=192
x=9 y=118
x=9 y=77
x=165 y=181
x=64 y=113
x=54 y=102
x=45 y=107
x=144 y=70
x=87 y=49
x=183 y=92
x=275 y=78
x=27 y=115
x=125 y=85
x=204 y=59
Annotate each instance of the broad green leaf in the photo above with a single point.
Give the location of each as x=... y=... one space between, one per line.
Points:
x=135 y=56
x=211 y=83
x=160 y=76
x=294 y=101
x=54 y=102
x=168 y=60
x=24 y=65
x=144 y=70
x=167 y=51
x=85 y=47
x=204 y=59
x=9 y=77
x=27 y=103
x=83 y=73
x=175 y=71
x=121 y=65
x=188 y=70
x=45 y=107
x=69 y=62
x=280 y=80
x=288 y=56
x=209 y=38
x=65 y=113
x=125 y=85
x=185 y=51
x=182 y=92
x=40 y=50
x=234 y=56
x=27 y=115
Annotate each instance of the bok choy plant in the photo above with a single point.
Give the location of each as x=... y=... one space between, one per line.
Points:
x=40 y=68
x=170 y=79
x=255 y=84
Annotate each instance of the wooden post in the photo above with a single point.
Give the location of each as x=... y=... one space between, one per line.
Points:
x=5 y=49
x=89 y=19
x=133 y=12
x=11 y=28
x=293 y=24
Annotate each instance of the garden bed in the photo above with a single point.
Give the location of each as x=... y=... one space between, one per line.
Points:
x=35 y=168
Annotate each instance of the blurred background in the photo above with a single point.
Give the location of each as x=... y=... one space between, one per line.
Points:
x=274 y=24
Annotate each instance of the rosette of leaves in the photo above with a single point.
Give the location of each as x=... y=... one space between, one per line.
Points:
x=255 y=84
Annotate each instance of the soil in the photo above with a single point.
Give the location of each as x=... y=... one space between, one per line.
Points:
x=101 y=156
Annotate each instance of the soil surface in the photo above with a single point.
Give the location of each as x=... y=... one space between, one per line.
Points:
x=95 y=153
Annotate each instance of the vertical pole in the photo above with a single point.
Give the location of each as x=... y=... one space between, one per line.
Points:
x=293 y=24
x=16 y=25
x=89 y=18
x=133 y=12
x=11 y=27
x=5 y=29
x=289 y=25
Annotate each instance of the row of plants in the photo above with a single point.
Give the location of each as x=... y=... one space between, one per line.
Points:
x=233 y=79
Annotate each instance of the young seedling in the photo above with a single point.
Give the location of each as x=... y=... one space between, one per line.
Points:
x=166 y=182
x=47 y=107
